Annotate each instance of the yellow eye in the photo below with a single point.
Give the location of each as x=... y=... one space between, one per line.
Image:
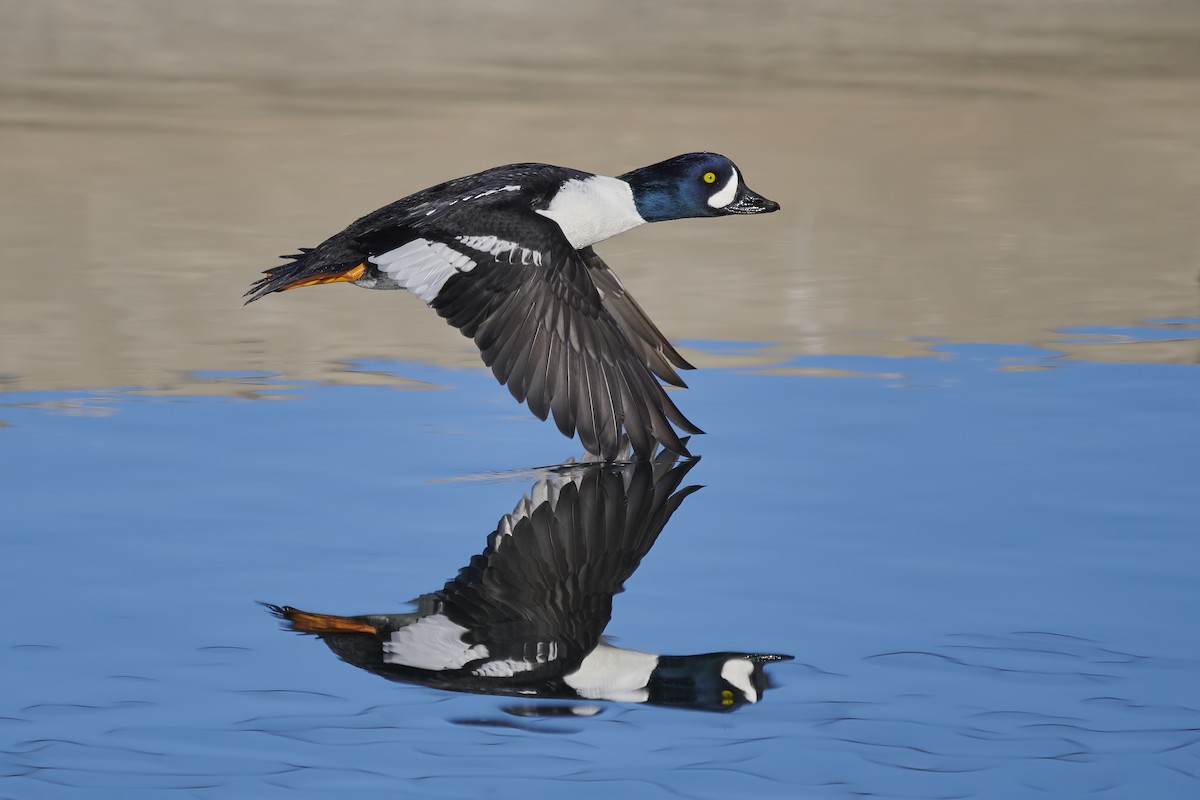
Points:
x=710 y=177
x=726 y=696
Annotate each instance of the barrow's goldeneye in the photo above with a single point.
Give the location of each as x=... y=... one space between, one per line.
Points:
x=505 y=255
x=526 y=616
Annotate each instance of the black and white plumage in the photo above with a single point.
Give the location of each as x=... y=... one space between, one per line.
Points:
x=525 y=617
x=506 y=257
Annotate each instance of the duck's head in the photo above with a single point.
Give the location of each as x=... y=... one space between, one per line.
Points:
x=693 y=185
x=713 y=681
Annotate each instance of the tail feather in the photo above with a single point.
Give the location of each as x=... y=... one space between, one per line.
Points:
x=303 y=270
x=260 y=288
x=277 y=278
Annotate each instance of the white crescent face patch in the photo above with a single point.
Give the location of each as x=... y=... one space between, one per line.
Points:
x=724 y=196
x=738 y=671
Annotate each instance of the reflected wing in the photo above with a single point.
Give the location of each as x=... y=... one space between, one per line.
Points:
x=542 y=590
x=527 y=610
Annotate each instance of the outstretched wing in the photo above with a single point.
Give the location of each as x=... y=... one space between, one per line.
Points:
x=655 y=350
x=548 y=332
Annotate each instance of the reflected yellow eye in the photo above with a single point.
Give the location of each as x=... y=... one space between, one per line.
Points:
x=710 y=177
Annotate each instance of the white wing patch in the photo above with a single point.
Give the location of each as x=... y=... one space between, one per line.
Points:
x=422 y=266
x=727 y=192
x=433 y=643
x=498 y=247
x=544 y=652
x=502 y=669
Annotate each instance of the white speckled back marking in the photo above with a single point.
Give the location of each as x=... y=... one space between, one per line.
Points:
x=435 y=209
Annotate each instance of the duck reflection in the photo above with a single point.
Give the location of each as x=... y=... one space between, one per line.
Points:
x=525 y=617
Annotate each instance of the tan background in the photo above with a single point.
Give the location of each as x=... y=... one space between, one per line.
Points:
x=970 y=169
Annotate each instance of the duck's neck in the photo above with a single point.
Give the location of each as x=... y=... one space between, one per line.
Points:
x=592 y=209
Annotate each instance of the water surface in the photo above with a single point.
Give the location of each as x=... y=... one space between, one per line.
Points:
x=983 y=560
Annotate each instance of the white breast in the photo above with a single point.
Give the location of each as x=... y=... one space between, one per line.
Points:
x=614 y=673
x=592 y=209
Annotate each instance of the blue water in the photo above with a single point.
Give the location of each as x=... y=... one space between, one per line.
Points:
x=984 y=562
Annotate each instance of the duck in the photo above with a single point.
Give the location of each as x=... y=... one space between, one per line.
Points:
x=506 y=256
x=526 y=617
